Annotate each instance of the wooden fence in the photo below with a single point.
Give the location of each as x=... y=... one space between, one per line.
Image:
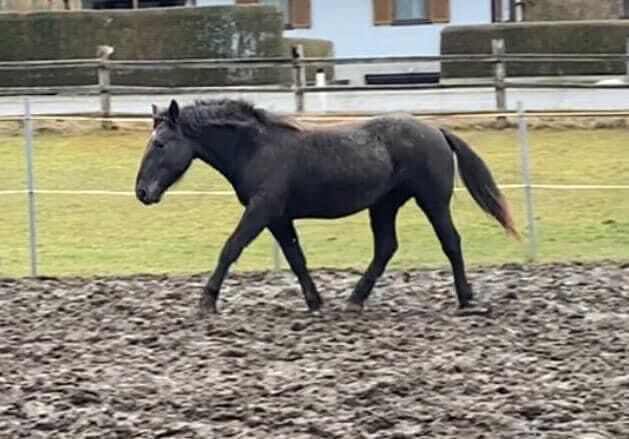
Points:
x=104 y=65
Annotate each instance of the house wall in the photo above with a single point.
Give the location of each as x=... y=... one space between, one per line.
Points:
x=349 y=24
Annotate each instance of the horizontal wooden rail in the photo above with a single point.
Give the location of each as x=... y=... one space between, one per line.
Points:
x=121 y=90
x=497 y=79
x=287 y=61
x=49 y=64
x=75 y=90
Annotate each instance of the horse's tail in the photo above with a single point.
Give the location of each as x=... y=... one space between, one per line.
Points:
x=480 y=183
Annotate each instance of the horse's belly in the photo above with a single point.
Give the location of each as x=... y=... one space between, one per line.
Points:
x=334 y=202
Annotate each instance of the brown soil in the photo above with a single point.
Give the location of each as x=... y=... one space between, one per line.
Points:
x=129 y=357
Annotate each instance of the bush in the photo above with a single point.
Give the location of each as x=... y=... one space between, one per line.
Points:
x=179 y=32
x=607 y=36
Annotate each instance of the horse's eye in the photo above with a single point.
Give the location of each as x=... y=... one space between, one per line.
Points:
x=158 y=145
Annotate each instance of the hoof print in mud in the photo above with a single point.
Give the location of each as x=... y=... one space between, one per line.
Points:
x=475 y=309
x=355 y=308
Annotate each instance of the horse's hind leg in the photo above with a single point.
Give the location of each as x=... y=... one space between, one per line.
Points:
x=286 y=235
x=438 y=213
x=382 y=218
x=450 y=240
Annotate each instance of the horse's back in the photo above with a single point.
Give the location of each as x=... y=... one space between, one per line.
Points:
x=421 y=153
x=401 y=131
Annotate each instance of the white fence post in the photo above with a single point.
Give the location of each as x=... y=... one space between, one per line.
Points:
x=30 y=178
x=104 y=83
x=500 y=73
x=320 y=81
x=528 y=195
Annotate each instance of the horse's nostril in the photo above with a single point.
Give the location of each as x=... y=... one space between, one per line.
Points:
x=141 y=194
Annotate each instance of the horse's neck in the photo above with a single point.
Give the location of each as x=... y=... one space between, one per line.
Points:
x=226 y=156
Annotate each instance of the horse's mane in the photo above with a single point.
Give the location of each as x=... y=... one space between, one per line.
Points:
x=233 y=112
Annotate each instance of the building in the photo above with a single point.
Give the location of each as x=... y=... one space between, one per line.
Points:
x=380 y=28
x=376 y=27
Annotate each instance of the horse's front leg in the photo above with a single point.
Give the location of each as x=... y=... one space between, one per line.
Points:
x=256 y=217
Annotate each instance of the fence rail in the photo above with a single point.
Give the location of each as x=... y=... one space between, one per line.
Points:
x=289 y=61
x=499 y=58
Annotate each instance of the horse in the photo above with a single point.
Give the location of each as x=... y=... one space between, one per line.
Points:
x=282 y=171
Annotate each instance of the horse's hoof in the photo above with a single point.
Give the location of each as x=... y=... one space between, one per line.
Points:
x=207 y=306
x=474 y=309
x=353 y=307
x=316 y=312
x=203 y=312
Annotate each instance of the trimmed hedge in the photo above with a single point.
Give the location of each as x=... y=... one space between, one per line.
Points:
x=554 y=10
x=179 y=32
x=607 y=36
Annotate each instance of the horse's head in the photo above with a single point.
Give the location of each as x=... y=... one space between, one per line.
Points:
x=167 y=157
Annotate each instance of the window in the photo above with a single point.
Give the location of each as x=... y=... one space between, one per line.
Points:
x=411 y=10
x=296 y=12
x=394 y=12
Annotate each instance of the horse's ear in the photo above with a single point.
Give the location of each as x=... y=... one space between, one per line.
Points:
x=261 y=115
x=155 y=115
x=173 y=111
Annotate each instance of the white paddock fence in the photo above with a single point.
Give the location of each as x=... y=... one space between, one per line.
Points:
x=527 y=186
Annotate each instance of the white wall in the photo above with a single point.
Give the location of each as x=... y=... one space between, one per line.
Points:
x=349 y=23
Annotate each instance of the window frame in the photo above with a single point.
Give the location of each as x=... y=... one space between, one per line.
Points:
x=384 y=13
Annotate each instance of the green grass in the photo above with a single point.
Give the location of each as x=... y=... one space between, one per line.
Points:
x=87 y=234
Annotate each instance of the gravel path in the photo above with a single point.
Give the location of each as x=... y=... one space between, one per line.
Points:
x=128 y=357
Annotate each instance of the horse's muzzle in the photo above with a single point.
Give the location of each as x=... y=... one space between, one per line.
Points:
x=146 y=197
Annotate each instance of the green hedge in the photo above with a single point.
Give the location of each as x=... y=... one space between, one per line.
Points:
x=554 y=10
x=607 y=36
x=181 y=32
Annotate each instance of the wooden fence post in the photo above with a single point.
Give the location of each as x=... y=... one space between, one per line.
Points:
x=500 y=73
x=104 y=81
x=299 y=76
x=627 y=59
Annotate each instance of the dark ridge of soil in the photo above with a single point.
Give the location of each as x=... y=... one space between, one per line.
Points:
x=122 y=358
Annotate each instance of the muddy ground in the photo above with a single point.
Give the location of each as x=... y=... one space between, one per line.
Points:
x=126 y=358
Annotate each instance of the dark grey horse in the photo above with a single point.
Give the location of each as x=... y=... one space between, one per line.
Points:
x=281 y=172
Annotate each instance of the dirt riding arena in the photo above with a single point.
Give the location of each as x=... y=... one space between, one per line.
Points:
x=105 y=358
